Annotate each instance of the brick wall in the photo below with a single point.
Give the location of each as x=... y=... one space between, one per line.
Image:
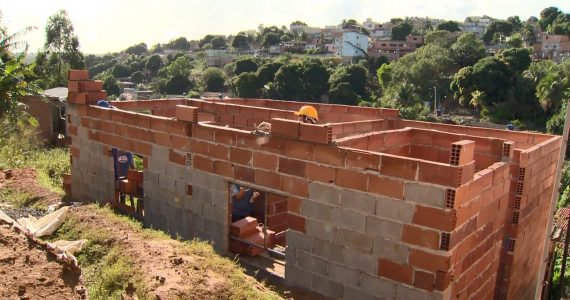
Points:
x=44 y=114
x=400 y=213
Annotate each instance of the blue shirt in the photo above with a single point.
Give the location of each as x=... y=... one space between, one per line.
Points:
x=241 y=207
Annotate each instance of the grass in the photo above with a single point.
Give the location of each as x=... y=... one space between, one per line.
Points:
x=21 y=147
x=18 y=199
x=106 y=269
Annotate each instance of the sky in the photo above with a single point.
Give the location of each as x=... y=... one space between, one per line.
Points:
x=107 y=26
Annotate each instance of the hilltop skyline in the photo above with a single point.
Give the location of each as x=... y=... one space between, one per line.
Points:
x=107 y=26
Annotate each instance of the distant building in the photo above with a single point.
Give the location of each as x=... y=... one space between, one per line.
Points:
x=218 y=58
x=476 y=25
x=396 y=49
x=352 y=44
x=382 y=31
x=49 y=110
x=553 y=46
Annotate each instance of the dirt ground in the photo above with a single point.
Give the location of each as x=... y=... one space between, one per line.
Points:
x=169 y=270
x=28 y=271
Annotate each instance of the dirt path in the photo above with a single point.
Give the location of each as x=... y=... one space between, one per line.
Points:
x=28 y=271
x=168 y=269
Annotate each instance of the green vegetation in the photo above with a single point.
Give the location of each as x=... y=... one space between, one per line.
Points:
x=106 y=268
x=17 y=199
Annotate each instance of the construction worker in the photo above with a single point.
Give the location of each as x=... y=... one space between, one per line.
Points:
x=242 y=201
x=307 y=114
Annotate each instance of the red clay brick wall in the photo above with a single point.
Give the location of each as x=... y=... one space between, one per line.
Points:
x=532 y=180
x=448 y=222
x=43 y=112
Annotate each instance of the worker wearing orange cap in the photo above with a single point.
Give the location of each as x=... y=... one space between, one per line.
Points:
x=307 y=114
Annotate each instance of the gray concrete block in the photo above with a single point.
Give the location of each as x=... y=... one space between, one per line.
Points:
x=327 y=194
x=396 y=210
x=391 y=250
x=214 y=213
x=158 y=166
x=220 y=198
x=404 y=292
x=175 y=171
x=312 y=263
x=425 y=194
x=357 y=293
x=316 y=210
x=82 y=133
x=327 y=287
x=361 y=202
x=290 y=256
x=202 y=194
x=382 y=228
x=378 y=286
x=298 y=276
x=328 y=250
x=150 y=180
x=355 y=240
x=215 y=182
x=348 y=219
x=160 y=153
x=299 y=240
x=363 y=262
x=193 y=205
x=340 y=273
x=322 y=230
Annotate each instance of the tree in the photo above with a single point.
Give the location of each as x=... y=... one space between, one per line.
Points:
x=442 y=38
x=347 y=24
x=270 y=39
x=247 y=85
x=355 y=76
x=153 y=63
x=244 y=65
x=213 y=80
x=266 y=73
x=239 y=42
x=450 y=26
x=206 y=40
x=316 y=79
x=497 y=27
x=299 y=23
x=137 y=49
x=516 y=22
x=14 y=80
x=111 y=85
x=518 y=59
x=178 y=85
x=121 y=71
x=401 y=30
x=289 y=82
x=218 y=43
x=547 y=17
x=515 y=41
x=180 y=43
x=467 y=50
x=61 y=50
x=138 y=77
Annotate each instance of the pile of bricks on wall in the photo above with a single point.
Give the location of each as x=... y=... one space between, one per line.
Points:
x=374 y=206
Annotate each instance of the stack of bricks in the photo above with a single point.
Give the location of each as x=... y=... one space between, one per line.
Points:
x=82 y=90
x=250 y=231
x=408 y=213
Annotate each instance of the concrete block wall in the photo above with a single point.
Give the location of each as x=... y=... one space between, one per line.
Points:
x=365 y=217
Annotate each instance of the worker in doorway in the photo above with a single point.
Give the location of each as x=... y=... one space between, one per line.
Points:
x=307 y=114
x=242 y=201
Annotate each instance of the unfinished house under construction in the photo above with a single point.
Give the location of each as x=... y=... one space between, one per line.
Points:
x=363 y=205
